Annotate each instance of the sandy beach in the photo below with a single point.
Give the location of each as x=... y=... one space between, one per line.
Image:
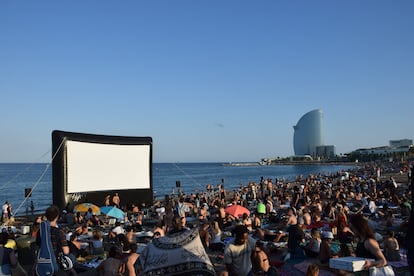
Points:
x=338 y=189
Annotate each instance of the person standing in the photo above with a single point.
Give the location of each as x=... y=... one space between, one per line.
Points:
x=32 y=207
x=58 y=237
x=378 y=174
x=5 y=213
x=237 y=254
x=10 y=212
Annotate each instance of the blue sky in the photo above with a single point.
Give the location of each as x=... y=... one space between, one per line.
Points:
x=207 y=80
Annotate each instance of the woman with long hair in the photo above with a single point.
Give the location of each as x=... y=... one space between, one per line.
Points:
x=367 y=246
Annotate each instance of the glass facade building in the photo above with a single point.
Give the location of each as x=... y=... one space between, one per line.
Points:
x=308 y=133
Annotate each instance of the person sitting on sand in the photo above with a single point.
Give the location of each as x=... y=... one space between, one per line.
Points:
x=316 y=220
x=261 y=262
x=118 y=229
x=325 y=252
x=74 y=247
x=79 y=219
x=313 y=270
x=131 y=266
x=111 y=266
x=97 y=243
x=204 y=234
x=159 y=230
x=314 y=245
x=216 y=234
x=391 y=247
x=82 y=230
x=291 y=217
x=247 y=221
x=203 y=213
x=367 y=246
x=257 y=221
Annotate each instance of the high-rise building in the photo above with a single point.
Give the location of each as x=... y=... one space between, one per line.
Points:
x=308 y=133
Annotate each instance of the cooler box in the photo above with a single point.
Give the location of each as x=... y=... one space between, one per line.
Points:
x=348 y=263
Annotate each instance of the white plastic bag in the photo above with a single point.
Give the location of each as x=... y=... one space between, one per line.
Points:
x=381 y=271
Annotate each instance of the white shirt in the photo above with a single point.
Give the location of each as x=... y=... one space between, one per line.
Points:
x=4 y=208
x=372 y=206
x=239 y=256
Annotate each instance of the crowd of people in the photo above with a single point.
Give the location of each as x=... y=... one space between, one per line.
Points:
x=358 y=213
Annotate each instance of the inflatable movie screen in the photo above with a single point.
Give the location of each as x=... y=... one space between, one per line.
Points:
x=101 y=169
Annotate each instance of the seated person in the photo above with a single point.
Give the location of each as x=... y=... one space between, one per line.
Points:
x=74 y=247
x=111 y=265
x=130 y=234
x=247 y=221
x=313 y=270
x=260 y=262
x=391 y=247
x=296 y=237
x=97 y=243
x=82 y=230
x=204 y=234
x=325 y=252
x=257 y=221
x=158 y=230
x=216 y=234
x=79 y=219
x=94 y=221
x=291 y=217
x=118 y=229
x=314 y=245
x=203 y=213
x=178 y=225
x=131 y=263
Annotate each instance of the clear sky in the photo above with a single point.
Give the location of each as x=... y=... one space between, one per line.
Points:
x=207 y=80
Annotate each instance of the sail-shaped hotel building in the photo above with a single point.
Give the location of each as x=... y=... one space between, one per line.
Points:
x=308 y=133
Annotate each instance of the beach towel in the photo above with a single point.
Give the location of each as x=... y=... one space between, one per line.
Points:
x=46 y=261
x=181 y=253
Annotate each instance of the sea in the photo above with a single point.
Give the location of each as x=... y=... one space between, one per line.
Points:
x=15 y=178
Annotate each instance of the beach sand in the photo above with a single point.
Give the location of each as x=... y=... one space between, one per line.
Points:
x=217 y=258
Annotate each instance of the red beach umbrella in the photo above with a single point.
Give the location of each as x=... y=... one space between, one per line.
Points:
x=236 y=210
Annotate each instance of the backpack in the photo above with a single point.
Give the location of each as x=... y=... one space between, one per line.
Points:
x=46 y=260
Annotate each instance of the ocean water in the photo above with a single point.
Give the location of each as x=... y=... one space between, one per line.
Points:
x=16 y=177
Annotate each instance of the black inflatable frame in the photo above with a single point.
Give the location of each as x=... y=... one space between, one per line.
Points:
x=62 y=199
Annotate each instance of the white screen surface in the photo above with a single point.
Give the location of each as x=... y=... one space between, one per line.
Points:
x=104 y=167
